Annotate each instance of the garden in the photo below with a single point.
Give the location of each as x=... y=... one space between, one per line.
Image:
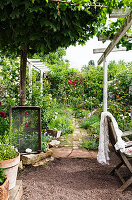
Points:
x=67 y=93
x=37 y=117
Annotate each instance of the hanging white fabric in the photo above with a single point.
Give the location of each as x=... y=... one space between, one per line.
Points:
x=103 y=149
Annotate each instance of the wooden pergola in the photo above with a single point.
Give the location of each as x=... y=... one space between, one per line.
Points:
x=39 y=66
x=111 y=48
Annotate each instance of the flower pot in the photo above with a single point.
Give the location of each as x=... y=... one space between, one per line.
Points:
x=10 y=168
x=52 y=132
x=4 y=190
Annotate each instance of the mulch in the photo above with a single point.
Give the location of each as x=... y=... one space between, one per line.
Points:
x=73 y=179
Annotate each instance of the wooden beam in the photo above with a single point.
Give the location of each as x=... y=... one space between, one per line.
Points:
x=77 y=4
x=102 y=50
x=104 y=38
x=117 y=38
x=105 y=86
x=38 y=64
x=117 y=13
x=33 y=60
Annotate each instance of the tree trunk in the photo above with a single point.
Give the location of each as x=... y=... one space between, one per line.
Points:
x=23 y=64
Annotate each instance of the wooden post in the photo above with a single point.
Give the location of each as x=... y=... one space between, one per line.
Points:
x=105 y=86
x=23 y=64
x=41 y=81
x=30 y=80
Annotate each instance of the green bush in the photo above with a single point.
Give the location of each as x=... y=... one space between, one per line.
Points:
x=81 y=113
x=45 y=139
x=4 y=126
x=92 y=124
x=90 y=145
x=120 y=99
x=93 y=121
x=62 y=124
x=93 y=84
x=7 y=152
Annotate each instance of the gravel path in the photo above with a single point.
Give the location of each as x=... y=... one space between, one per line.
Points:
x=72 y=179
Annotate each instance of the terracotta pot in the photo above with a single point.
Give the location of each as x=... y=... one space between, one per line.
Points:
x=10 y=168
x=4 y=190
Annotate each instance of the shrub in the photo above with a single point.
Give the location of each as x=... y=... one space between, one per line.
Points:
x=62 y=124
x=92 y=144
x=7 y=152
x=120 y=99
x=81 y=113
x=93 y=121
x=45 y=139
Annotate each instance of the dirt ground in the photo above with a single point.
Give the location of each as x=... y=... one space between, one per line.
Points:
x=73 y=179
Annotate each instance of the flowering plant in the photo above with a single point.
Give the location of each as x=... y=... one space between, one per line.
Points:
x=4 y=122
x=75 y=91
x=7 y=152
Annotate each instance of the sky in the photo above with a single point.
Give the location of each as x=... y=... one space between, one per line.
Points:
x=80 y=55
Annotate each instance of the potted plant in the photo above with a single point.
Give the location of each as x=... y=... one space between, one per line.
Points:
x=9 y=160
x=4 y=185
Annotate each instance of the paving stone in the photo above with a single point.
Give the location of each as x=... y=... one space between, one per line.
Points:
x=75 y=147
x=61 y=152
x=80 y=153
x=73 y=153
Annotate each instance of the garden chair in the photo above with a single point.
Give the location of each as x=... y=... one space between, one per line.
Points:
x=125 y=157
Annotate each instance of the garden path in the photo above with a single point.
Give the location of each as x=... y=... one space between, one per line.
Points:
x=69 y=145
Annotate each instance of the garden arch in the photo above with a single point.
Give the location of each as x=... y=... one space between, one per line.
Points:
x=40 y=67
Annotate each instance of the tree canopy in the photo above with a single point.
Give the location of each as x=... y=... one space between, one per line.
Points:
x=43 y=26
x=29 y=26
x=39 y=26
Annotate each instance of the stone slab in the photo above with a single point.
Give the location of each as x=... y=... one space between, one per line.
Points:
x=31 y=159
x=80 y=153
x=17 y=192
x=73 y=153
x=61 y=152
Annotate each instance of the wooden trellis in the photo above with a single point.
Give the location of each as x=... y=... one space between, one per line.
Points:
x=38 y=66
x=111 y=47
